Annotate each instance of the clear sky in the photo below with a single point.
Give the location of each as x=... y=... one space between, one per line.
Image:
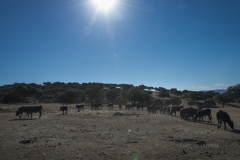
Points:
x=183 y=44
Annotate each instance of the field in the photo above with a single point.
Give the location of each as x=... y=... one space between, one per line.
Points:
x=114 y=134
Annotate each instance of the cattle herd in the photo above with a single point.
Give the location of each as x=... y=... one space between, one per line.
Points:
x=185 y=113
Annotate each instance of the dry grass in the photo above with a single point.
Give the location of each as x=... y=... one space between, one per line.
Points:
x=99 y=134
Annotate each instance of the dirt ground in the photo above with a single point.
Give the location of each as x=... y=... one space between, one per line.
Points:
x=103 y=134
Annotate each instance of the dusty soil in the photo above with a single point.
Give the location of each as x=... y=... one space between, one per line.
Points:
x=114 y=134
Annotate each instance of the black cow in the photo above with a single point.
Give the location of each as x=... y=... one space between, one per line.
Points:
x=191 y=113
x=22 y=110
x=120 y=107
x=80 y=107
x=128 y=106
x=64 y=108
x=29 y=110
x=157 y=109
x=96 y=106
x=175 y=109
x=188 y=113
x=168 y=110
x=140 y=106
x=201 y=113
x=223 y=116
x=110 y=105
x=184 y=113
x=152 y=109
x=164 y=110
x=35 y=109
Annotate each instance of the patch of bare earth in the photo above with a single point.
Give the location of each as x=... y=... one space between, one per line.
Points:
x=114 y=134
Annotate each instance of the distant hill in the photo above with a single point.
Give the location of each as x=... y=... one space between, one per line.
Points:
x=221 y=91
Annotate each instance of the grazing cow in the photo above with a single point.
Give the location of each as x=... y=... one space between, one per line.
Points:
x=29 y=110
x=21 y=110
x=35 y=109
x=96 y=106
x=164 y=109
x=151 y=109
x=184 y=113
x=110 y=105
x=140 y=106
x=120 y=107
x=128 y=106
x=223 y=116
x=175 y=109
x=192 y=112
x=64 y=108
x=157 y=109
x=187 y=113
x=201 y=113
x=168 y=110
x=80 y=107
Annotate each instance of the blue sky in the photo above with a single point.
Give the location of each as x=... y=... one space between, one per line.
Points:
x=183 y=44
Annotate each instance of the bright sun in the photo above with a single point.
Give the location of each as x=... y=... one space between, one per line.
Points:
x=104 y=4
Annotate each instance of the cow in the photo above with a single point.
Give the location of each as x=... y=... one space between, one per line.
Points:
x=157 y=109
x=192 y=112
x=168 y=110
x=96 y=106
x=201 y=113
x=128 y=106
x=187 y=113
x=64 y=108
x=223 y=116
x=139 y=106
x=175 y=109
x=21 y=110
x=80 y=107
x=110 y=105
x=151 y=109
x=34 y=109
x=120 y=107
x=164 y=109
x=184 y=113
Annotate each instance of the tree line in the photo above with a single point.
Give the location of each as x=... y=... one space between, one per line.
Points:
x=59 y=92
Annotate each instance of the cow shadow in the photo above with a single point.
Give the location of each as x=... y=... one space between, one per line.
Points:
x=233 y=105
x=61 y=114
x=203 y=122
x=237 y=131
x=202 y=105
x=23 y=119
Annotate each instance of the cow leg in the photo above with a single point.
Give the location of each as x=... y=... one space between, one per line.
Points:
x=66 y=111
x=78 y=109
x=224 y=123
x=40 y=114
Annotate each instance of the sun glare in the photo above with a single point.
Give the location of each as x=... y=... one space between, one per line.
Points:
x=104 y=4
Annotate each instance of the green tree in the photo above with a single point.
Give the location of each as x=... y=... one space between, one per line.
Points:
x=134 y=95
x=175 y=100
x=173 y=91
x=209 y=101
x=234 y=91
x=166 y=102
x=196 y=96
x=164 y=94
x=223 y=99
x=111 y=95
x=94 y=93
x=191 y=103
x=157 y=102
